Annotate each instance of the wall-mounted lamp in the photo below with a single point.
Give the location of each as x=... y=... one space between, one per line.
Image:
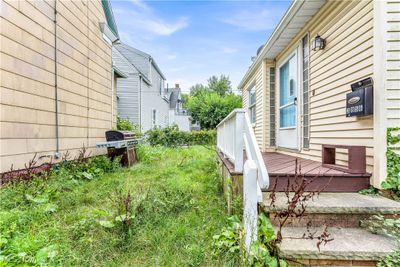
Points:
x=318 y=43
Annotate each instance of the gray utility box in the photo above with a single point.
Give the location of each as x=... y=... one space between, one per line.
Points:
x=360 y=101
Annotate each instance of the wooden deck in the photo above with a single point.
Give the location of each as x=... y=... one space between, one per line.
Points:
x=282 y=167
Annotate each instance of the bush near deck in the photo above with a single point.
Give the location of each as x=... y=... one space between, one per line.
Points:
x=171 y=136
x=74 y=219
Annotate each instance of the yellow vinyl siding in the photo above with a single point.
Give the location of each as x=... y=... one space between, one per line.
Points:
x=393 y=64
x=347 y=27
x=257 y=80
x=27 y=68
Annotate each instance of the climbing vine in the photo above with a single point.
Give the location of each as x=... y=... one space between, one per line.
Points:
x=392 y=181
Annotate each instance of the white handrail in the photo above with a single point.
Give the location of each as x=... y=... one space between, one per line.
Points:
x=235 y=134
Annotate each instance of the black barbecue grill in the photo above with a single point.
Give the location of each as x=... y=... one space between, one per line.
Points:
x=119 y=135
x=120 y=143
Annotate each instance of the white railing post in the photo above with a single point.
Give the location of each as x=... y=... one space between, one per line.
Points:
x=238 y=140
x=234 y=133
x=250 y=199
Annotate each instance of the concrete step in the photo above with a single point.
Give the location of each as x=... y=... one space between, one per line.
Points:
x=335 y=209
x=350 y=247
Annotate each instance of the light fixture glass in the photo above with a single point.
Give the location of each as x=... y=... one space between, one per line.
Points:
x=318 y=43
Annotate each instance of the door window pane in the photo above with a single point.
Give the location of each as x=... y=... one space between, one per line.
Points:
x=287 y=93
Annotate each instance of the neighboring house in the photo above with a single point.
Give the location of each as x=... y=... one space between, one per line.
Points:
x=177 y=114
x=296 y=95
x=142 y=97
x=56 y=78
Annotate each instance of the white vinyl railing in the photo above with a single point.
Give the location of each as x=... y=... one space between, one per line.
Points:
x=235 y=136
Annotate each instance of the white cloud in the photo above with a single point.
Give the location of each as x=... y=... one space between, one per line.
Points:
x=139 y=3
x=160 y=27
x=143 y=21
x=171 y=56
x=252 y=20
x=228 y=50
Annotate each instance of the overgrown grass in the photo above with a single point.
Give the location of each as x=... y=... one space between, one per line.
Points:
x=177 y=207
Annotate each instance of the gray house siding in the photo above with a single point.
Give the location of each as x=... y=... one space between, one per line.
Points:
x=139 y=94
x=153 y=100
x=128 y=98
x=127 y=89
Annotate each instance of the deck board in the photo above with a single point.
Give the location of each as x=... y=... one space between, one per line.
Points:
x=282 y=167
x=281 y=164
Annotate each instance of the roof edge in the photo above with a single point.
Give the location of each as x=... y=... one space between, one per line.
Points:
x=153 y=62
x=110 y=17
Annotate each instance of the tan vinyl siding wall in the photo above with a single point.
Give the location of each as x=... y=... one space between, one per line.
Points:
x=258 y=80
x=28 y=78
x=393 y=64
x=347 y=27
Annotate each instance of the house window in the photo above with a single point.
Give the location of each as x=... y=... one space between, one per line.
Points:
x=287 y=93
x=272 y=137
x=306 y=93
x=161 y=86
x=252 y=104
x=154 y=118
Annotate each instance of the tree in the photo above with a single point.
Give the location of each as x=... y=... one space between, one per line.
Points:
x=197 y=89
x=209 y=108
x=221 y=85
x=212 y=103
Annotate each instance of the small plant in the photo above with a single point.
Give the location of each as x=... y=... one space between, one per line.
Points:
x=264 y=251
x=371 y=191
x=124 y=206
x=381 y=225
x=127 y=125
x=386 y=226
x=392 y=181
x=229 y=243
x=297 y=199
x=391 y=260
x=30 y=172
x=84 y=167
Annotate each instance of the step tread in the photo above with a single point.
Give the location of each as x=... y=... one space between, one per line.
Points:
x=340 y=203
x=348 y=244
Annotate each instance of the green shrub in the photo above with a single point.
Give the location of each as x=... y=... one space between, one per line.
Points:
x=229 y=244
x=387 y=226
x=392 y=181
x=391 y=260
x=88 y=168
x=127 y=125
x=171 y=136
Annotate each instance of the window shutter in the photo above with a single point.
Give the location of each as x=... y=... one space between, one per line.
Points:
x=306 y=93
x=272 y=137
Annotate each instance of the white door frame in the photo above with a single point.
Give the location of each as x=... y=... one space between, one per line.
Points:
x=297 y=53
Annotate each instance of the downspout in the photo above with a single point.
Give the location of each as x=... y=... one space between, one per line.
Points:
x=112 y=97
x=140 y=101
x=57 y=154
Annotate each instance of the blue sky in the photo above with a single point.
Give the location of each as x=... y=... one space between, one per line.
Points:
x=192 y=40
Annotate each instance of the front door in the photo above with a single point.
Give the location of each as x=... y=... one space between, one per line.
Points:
x=288 y=90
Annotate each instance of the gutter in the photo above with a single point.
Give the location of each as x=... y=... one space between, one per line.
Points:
x=140 y=101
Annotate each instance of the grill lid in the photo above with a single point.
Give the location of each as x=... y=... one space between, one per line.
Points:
x=114 y=135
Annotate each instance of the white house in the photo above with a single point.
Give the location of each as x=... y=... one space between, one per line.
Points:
x=141 y=97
